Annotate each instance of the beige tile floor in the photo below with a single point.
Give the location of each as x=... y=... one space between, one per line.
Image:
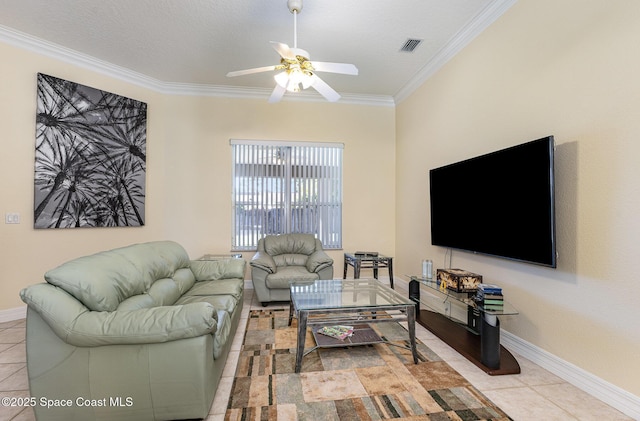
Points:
x=535 y=394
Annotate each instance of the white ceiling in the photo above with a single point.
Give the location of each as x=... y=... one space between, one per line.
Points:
x=188 y=46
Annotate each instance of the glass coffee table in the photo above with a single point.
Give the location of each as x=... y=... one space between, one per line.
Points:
x=352 y=302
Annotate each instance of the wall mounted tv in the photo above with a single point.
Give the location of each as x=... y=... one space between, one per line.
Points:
x=499 y=204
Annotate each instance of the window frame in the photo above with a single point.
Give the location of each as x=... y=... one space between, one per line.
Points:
x=288 y=167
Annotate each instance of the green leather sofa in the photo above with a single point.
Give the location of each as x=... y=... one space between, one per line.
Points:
x=135 y=333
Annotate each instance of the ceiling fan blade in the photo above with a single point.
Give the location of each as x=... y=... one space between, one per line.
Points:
x=325 y=90
x=283 y=50
x=251 y=71
x=343 y=68
x=277 y=94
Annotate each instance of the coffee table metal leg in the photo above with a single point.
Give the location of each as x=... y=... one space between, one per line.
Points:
x=411 y=324
x=302 y=334
x=346 y=265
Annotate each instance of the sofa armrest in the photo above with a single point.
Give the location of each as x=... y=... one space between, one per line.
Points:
x=77 y=325
x=318 y=260
x=211 y=270
x=263 y=261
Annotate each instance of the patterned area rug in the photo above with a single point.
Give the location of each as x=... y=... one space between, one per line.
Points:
x=370 y=382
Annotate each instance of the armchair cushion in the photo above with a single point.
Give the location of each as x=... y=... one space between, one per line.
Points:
x=275 y=245
x=262 y=260
x=318 y=260
x=284 y=275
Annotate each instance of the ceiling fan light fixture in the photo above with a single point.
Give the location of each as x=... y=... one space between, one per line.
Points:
x=282 y=79
x=298 y=72
x=294 y=79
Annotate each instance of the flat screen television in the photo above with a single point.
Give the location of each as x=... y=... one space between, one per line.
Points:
x=499 y=204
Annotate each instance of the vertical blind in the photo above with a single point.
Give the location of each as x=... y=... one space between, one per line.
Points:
x=286 y=187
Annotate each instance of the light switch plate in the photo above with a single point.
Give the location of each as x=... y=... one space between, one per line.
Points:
x=11 y=218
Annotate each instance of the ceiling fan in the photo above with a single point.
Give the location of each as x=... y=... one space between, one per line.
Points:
x=298 y=71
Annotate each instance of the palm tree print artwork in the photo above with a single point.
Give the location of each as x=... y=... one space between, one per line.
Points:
x=90 y=157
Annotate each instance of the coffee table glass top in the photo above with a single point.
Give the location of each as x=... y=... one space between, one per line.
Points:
x=345 y=294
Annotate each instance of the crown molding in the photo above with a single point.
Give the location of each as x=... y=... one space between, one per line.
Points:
x=460 y=40
x=263 y=94
x=67 y=55
x=28 y=42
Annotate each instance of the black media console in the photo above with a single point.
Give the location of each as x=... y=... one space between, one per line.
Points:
x=477 y=338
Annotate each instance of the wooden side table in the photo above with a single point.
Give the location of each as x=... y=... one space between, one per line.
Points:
x=368 y=261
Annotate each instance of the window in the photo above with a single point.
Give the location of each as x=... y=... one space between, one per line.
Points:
x=286 y=187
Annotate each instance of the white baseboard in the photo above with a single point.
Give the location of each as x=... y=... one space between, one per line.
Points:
x=13 y=314
x=614 y=396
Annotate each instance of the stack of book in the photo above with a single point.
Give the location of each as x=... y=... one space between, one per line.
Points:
x=490 y=297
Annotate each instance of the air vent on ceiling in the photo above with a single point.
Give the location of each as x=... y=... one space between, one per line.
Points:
x=410 y=45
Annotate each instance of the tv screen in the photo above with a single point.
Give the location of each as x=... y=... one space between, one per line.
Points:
x=499 y=204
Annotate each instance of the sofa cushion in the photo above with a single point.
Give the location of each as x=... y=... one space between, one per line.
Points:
x=103 y=280
x=137 y=302
x=285 y=275
x=210 y=270
x=227 y=303
x=78 y=326
x=233 y=287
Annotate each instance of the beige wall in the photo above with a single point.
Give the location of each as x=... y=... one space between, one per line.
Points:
x=571 y=69
x=188 y=169
x=198 y=136
x=25 y=253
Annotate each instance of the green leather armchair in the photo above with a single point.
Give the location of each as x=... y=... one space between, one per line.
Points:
x=281 y=259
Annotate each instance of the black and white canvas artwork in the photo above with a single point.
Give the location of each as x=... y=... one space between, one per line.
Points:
x=90 y=157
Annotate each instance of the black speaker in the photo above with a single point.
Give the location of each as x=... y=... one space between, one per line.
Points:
x=490 y=343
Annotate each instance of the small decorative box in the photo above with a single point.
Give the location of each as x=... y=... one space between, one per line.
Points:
x=459 y=280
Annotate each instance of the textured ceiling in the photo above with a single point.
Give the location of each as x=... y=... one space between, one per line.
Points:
x=192 y=44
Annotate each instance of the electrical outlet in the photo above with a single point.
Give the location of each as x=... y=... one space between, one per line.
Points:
x=447 y=308
x=11 y=218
